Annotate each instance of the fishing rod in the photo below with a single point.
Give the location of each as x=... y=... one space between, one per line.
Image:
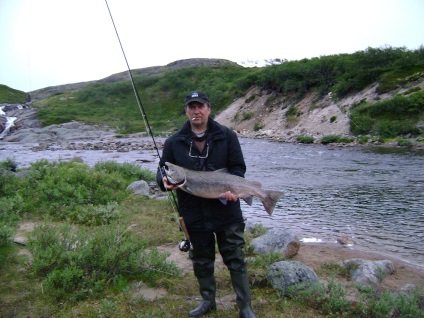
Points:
x=185 y=244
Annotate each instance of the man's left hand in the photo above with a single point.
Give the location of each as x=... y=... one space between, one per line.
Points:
x=229 y=196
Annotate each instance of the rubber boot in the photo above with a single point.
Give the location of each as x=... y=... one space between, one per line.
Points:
x=207 y=288
x=241 y=287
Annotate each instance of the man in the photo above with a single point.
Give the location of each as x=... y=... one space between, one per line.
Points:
x=204 y=144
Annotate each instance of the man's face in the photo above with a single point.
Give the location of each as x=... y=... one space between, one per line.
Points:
x=198 y=113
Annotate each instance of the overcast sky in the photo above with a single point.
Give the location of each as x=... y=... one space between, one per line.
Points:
x=52 y=42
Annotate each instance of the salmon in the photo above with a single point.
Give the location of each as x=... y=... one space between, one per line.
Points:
x=213 y=184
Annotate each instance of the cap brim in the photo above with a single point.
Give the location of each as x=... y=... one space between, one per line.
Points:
x=200 y=100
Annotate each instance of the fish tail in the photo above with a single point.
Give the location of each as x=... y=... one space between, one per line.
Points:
x=271 y=200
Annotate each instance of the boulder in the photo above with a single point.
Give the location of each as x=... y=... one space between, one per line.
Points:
x=277 y=240
x=288 y=274
x=139 y=187
x=370 y=273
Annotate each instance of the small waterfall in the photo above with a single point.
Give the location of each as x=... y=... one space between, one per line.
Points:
x=10 y=121
x=9 y=124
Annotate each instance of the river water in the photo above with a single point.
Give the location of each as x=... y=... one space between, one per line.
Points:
x=375 y=197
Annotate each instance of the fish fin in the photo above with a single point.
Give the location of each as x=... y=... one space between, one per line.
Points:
x=248 y=200
x=223 y=201
x=223 y=170
x=256 y=184
x=271 y=200
x=187 y=189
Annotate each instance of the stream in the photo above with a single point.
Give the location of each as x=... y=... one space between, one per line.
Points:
x=375 y=196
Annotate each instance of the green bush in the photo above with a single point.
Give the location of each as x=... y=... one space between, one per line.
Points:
x=11 y=209
x=335 y=139
x=247 y=115
x=9 y=182
x=329 y=299
x=79 y=263
x=258 y=126
x=404 y=143
x=292 y=111
x=129 y=171
x=8 y=165
x=72 y=190
x=305 y=139
x=93 y=215
x=6 y=235
x=388 y=119
x=392 y=128
x=363 y=139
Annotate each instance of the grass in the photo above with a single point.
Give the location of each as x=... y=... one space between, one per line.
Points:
x=12 y=96
x=162 y=97
x=74 y=267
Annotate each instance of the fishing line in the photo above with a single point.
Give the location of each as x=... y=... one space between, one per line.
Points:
x=184 y=245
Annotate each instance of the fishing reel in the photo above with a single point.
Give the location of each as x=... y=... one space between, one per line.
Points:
x=184 y=245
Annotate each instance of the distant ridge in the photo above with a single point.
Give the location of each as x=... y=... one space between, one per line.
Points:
x=123 y=76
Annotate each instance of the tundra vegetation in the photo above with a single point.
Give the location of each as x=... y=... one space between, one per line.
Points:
x=113 y=102
x=95 y=245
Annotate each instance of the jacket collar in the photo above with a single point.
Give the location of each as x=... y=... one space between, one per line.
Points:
x=214 y=129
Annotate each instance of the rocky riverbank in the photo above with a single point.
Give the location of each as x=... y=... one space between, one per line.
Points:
x=79 y=136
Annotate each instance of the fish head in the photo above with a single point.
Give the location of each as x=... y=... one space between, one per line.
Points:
x=175 y=174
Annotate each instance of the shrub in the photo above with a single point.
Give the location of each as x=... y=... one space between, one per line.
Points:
x=258 y=126
x=77 y=264
x=11 y=209
x=129 y=171
x=363 y=139
x=404 y=143
x=329 y=299
x=6 y=235
x=335 y=139
x=9 y=165
x=292 y=111
x=247 y=115
x=305 y=139
x=393 y=128
x=69 y=189
x=92 y=215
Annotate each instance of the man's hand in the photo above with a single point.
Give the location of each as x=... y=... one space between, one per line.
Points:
x=167 y=185
x=229 y=196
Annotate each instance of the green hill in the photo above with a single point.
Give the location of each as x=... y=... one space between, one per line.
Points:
x=111 y=101
x=12 y=96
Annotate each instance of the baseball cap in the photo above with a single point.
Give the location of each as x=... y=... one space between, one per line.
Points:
x=197 y=97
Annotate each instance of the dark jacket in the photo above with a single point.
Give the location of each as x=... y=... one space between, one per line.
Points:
x=223 y=151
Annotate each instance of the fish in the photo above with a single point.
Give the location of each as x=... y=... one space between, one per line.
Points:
x=213 y=184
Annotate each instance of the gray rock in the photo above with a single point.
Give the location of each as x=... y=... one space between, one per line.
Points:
x=370 y=273
x=288 y=274
x=277 y=240
x=139 y=187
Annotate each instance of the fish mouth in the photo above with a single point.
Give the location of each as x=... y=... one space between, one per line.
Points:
x=169 y=178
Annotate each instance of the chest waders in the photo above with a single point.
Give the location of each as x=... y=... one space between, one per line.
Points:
x=230 y=243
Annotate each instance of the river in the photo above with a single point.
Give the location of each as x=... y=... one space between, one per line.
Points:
x=374 y=196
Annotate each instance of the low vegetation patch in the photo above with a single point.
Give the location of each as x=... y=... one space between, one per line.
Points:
x=12 y=96
x=305 y=139
x=390 y=118
x=74 y=267
x=330 y=139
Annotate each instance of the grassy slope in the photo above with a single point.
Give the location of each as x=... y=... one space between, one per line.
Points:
x=11 y=96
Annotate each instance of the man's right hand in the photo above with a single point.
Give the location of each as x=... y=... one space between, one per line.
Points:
x=167 y=185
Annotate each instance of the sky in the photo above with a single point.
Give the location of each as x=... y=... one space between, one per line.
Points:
x=53 y=42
